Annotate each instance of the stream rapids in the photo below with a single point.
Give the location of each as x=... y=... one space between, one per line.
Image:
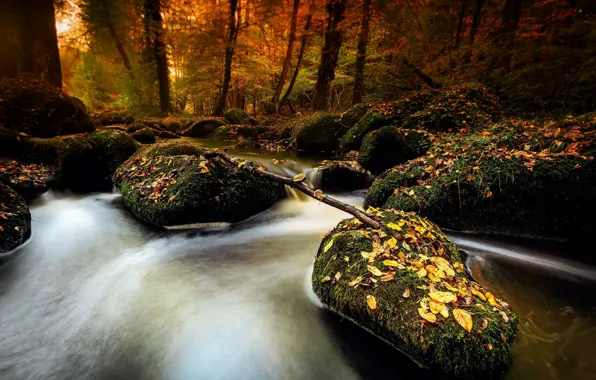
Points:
x=95 y=294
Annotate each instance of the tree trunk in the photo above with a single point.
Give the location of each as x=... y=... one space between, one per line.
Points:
x=460 y=23
x=231 y=42
x=474 y=29
x=288 y=59
x=117 y=41
x=511 y=16
x=29 y=40
x=358 y=94
x=329 y=54
x=303 y=44
x=153 y=14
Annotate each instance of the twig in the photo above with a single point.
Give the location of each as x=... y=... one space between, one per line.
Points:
x=364 y=218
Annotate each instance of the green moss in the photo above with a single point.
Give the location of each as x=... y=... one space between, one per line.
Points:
x=236 y=116
x=389 y=146
x=371 y=121
x=145 y=136
x=172 y=184
x=233 y=132
x=15 y=220
x=444 y=345
x=321 y=135
x=203 y=127
x=342 y=176
x=354 y=114
x=114 y=147
x=39 y=109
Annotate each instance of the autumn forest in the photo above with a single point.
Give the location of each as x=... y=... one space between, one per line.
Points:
x=297 y=189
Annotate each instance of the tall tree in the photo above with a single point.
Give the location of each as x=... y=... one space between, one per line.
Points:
x=474 y=28
x=358 y=94
x=156 y=38
x=330 y=53
x=29 y=29
x=509 y=24
x=232 y=36
x=460 y=23
x=286 y=66
x=117 y=40
x=303 y=45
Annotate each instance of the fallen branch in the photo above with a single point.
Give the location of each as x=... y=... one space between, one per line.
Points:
x=299 y=185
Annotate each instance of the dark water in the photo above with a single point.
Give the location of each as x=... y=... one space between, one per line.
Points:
x=95 y=295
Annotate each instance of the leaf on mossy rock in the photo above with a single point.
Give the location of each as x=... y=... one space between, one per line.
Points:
x=463 y=318
x=430 y=317
x=371 y=301
x=406 y=293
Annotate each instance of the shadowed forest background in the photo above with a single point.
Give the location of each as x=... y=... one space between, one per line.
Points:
x=202 y=57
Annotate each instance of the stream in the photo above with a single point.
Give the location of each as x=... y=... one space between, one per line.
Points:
x=95 y=294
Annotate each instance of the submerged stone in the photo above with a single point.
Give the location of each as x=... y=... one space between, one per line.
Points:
x=15 y=219
x=406 y=283
x=174 y=184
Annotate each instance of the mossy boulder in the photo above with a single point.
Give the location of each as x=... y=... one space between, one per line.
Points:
x=234 y=132
x=354 y=114
x=517 y=179
x=39 y=109
x=145 y=136
x=113 y=148
x=131 y=128
x=449 y=109
x=237 y=116
x=109 y=118
x=342 y=176
x=406 y=283
x=320 y=136
x=15 y=219
x=29 y=180
x=203 y=127
x=173 y=184
x=389 y=146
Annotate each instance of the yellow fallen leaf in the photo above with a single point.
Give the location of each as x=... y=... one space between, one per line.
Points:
x=421 y=273
x=388 y=276
x=484 y=324
x=444 y=265
x=504 y=316
x=392 y=242
x=463 y=318
x=299 y=177
x=490 y=347
x=326 y=279
x=445 y=312
x=355 y=281
x=374 y=270
x=406 y=293
x=444 y=297
x=448 y=286
x=368 y=255
x=347 y=258
x=204 y=169
x=478 y=294
x=430 y=317
x=337 y=276
x=434 y=278
x=319 y=195
x=406 y=246
x=328 y=245
x=371 y=301
x=391 y=263
x=394 y=226
x=242 y=164
x=435 y=306
x=491 y=299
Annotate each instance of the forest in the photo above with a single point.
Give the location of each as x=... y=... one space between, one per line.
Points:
x=297 y=189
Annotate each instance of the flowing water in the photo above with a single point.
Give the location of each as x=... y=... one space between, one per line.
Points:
x=95 y=294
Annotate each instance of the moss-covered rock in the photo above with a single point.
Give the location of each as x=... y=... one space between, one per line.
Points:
x=321 y=135
x=234 y=132
x=236 y=116
x=203 y=127
x=406 y=283
x=29 y=180
x=109 y=118
x=389 y=146
x=451 y=108
x=15 y=219
x=39 y=109
x=354 y=114
x=518 y=179
x=114 y=148
x=341 y=176
x=131 y=128
x=173 y=184
x=145 y=136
